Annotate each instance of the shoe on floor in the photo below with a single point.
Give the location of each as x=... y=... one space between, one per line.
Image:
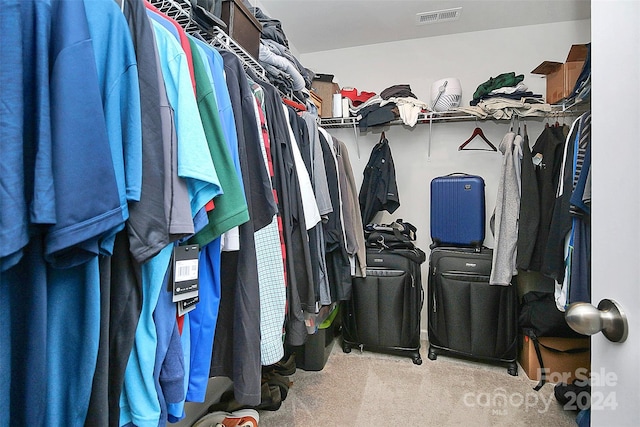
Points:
x=270 y=400
x=283 y=367
x=240 y=418
x=275 y=379
x=565 y=393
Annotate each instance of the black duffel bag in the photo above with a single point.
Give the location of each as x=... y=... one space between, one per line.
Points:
x=397 y=235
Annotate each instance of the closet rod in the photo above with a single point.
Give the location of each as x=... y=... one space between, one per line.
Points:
x=180 y=11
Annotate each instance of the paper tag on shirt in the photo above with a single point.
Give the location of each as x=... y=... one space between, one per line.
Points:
x=185 y=272
x=537 y=159
x=187 y=305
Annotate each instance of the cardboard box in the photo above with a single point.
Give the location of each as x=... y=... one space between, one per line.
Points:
x=561 y=367
x=562 y=77
x=242 y=26
x=325 y=91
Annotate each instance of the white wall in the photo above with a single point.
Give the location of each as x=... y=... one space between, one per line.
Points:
x=471 y=57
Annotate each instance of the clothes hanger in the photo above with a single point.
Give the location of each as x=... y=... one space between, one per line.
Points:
x=477 y=132
x=298 y=106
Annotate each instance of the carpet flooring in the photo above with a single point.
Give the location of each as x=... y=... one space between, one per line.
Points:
x=373 y=389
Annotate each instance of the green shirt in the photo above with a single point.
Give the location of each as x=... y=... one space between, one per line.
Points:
x=230 y=206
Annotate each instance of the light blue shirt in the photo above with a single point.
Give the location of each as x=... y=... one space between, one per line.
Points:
x=194 y=159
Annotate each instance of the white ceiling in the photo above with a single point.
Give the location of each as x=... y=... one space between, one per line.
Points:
x=317 y=25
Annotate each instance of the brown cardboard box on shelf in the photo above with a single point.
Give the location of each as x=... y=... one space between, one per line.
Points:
x=560 y=366
x=242 y=26
x=325 y=91
x=562 y=77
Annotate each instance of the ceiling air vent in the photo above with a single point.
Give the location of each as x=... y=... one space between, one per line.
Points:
x=438 y=16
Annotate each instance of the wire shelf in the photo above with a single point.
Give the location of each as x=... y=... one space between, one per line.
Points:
x=455 y=116
x=180 y=11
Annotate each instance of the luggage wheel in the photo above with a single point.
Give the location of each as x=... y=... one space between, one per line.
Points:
x=417 y=360
x=432 y=355
x=346 y=348
x=513 y=369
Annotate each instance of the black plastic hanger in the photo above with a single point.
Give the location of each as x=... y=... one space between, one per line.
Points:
x=477 y=132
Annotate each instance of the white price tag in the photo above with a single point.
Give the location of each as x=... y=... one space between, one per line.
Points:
x=186 y=270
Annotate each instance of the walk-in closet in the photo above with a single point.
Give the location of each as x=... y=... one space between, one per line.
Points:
x=251 y=213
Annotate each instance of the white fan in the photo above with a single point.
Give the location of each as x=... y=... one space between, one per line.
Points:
x=446 y=94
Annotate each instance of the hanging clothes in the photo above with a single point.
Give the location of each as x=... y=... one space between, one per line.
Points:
x=230 y=211
x=337 y=259
x=503 y=266
x=147 y=229
x=320 y=186
x=287 y=186
x=572 y=216
x=379 y=190
x=140 y=403
x=580 y=289
x=547 y=156
x=181 y=148
x=352 y=215
x=305 y=168
x=529 y=215
x=236 y=352
x=50 y=222
x=553 y=264
x=270 y=257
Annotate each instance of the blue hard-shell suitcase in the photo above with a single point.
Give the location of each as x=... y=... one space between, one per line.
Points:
x=457 y=211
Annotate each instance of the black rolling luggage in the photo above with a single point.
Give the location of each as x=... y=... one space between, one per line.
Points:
x=383 y=314
x=467 y=316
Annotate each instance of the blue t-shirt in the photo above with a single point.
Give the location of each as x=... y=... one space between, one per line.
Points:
x=52 y=334
x=87 y=199
x=87 y=207
x=168 y=371
x=73 y=334
x=139 y=402
x=26 y=145
x=203 y=321
x=226 y=110
x=118 y=80
x=24 y=78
